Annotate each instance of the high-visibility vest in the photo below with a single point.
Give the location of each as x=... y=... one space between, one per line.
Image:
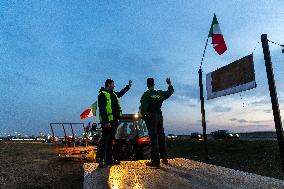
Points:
x=108 y=106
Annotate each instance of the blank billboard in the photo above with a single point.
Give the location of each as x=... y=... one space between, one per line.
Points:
x=233 y=78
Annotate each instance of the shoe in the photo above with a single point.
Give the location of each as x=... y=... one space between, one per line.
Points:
x=113 y=162
x=153 y=164
x=165 y=161
x=102 y=164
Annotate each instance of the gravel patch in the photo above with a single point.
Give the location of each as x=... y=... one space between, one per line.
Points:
x=180 y=173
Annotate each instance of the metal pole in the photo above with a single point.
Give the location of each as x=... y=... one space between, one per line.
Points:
x=73 y=135
x=274 y=99
x=202 y=106
x=65 y=136
x=52 y=132
x=203 y=116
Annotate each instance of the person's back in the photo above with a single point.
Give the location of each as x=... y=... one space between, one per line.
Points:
x=152 y=100
x=151 y=103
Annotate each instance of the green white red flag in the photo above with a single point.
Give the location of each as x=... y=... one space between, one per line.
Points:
x=217 y=38
x=91 y=111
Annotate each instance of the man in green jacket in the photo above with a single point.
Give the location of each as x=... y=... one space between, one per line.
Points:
x=151 y=103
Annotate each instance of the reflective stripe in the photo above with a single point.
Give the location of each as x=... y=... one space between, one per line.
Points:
x=119 y=107
x=108 y=106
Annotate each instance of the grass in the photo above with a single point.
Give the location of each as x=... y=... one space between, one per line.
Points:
x=260 y=157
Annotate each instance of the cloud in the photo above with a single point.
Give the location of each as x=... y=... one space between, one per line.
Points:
x=260 y=102
x=259 y=125
x=263 y=110
x=221 y=109
x=188 y=90
x=199 y=121
x=239 y=120
x=186 y=94
x=260 y=121
x=185 y=100
x=249 y=122
x=242 y=121
x=267 y=111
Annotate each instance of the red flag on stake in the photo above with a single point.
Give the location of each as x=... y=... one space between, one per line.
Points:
x=217 y=37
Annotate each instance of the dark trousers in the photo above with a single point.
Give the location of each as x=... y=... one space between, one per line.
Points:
x=154 y=123
x=106 y=142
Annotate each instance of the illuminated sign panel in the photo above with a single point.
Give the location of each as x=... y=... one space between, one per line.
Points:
x=233 y=78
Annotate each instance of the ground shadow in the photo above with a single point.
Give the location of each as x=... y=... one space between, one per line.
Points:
x=98 y=178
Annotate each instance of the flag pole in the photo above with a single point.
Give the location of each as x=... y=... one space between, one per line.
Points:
x=204 y=52
x=202 y=106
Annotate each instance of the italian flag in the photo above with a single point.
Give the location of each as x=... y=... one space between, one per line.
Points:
x=91 y=111
x=217 y=38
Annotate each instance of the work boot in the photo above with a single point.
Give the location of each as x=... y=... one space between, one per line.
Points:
x=165 y=161
x=102 y=164
x=153 y=164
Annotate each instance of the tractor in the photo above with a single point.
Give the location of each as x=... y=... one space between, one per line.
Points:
x=131 y=141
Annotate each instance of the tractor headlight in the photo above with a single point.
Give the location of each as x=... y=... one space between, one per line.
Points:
x=136 y=115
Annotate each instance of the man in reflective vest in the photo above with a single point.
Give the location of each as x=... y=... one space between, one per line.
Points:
x=110 y=113
x=151 y=103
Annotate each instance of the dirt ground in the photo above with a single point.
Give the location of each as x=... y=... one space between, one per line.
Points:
x=35 y=165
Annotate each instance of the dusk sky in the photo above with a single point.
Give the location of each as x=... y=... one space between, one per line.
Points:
x=55 y=56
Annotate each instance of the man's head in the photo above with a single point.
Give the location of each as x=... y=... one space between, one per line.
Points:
x=150 y=83
x=109 y=84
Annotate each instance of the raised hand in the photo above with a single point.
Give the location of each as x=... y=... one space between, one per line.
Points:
x=168 y=80
x=130 y=83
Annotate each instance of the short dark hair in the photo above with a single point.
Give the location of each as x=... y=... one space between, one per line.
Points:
x=108 y=81
x=150 y=82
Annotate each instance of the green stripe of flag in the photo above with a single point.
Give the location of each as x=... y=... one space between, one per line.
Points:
x=215 y=21
x=94 y=108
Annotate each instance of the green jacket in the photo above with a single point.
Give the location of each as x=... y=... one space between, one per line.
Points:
x=152 y=100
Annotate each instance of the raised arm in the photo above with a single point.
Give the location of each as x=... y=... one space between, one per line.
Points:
x=169 y=92
x=166 y=94
x=124 y=90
